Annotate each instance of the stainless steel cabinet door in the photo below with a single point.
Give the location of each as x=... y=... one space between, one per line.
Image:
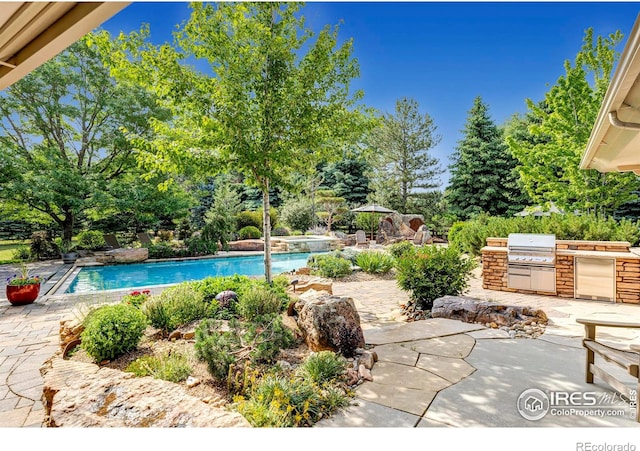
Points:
x=595 y=278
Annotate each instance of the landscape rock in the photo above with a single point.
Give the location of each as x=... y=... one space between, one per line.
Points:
x=246 y=245
x=472 y=310
x=124 y=255
x=83 y=395
x=364 y=373
x=70 y=331
x=314 y=283
x=366 y=359
x=329 y=323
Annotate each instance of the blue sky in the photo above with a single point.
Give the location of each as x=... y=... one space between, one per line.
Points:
x=443 y=54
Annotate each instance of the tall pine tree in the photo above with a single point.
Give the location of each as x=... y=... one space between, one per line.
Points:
x=401 y=144
x=483 y=176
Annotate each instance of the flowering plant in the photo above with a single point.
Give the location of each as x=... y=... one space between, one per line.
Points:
x=136 y=298
x=23 y=277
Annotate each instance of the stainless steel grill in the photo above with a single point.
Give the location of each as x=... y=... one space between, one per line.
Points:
x=531 y=261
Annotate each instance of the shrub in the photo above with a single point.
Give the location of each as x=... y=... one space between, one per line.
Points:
x=184 y=229
x=321 y=367
x=112 y=330
x=211 y=286
x=259 y=301
x=162 y=250
x=249 y=232
x=22 y=253
x=171 y=367
x=398 y=249
x=136 y=298
x=280 y=231
x=471 y=236
x=254 y=218
x=165 y=235
x=216 y=348
x=297 y=213
x=433 y=272
x=198 y=246
x=91 y=240
x=177 y=306
x=42 y=246
x=279 y=401
x=327 y=265
x=375 y=262
x=251 y=341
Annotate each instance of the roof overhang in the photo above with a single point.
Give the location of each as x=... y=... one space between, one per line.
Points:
x=32 y=33
x=614 y=144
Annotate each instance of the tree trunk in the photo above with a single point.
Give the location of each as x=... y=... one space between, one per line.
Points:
x=67 y=226
x=266 y=230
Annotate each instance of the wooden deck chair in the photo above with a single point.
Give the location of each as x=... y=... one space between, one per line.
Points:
x=361 y=239
x=112 y=241
x=144 y=238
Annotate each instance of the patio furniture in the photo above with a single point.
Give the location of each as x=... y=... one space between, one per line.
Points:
x=361 y=239
x=629 y=360
x=144 y=238
x=112 y=241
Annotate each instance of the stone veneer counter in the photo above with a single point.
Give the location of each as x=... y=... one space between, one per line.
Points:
x=494 y=267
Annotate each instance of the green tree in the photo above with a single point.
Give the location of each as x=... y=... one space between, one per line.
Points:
x=331 y=207
x=401 y=144
x=558 y=132
x=348 y=178
x=220 y=220
x=483 y=176
x=277 y=100
x=64 y=134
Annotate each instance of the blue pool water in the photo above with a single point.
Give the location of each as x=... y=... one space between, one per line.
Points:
x=138 y=275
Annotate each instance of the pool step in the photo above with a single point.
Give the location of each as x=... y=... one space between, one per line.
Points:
x=279 y=246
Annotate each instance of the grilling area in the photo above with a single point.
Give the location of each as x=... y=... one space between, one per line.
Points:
x=540 y=264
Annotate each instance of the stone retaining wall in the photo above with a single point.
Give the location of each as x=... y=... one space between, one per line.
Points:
x=628 y=280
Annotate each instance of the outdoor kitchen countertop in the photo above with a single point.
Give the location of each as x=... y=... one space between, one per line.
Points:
x=575 y=252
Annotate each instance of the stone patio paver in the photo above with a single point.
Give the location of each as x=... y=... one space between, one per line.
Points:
x=449 y=368
x=398 y=375
x=417 y=330
x=397 y=353
x=370 y=414
x=458 y=346
x=408 y=400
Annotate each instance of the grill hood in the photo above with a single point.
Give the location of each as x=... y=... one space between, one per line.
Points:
x=531 y=240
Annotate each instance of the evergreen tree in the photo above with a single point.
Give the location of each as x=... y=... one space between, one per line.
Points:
x=348 y=179
x=483 y=176
x=401 y=144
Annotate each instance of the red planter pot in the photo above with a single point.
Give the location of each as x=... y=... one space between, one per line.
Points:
x=23 y=294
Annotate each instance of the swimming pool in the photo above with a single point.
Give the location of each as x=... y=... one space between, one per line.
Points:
x=138 y=275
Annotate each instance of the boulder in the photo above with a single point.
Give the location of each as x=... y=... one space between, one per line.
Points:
x=471 y=310
x=329 y=322
x=82 y=395
x=246 y=245
x=314 y=283
x=124 y=255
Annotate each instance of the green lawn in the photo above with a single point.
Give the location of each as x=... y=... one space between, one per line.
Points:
x=6 y=250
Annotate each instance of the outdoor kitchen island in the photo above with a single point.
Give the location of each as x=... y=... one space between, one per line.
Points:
x=595 y=270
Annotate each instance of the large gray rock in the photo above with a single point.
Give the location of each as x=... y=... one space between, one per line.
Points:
x=77 y=394
x=471 y=310
x=329 y=323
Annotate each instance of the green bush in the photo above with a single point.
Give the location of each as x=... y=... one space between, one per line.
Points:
x=400 y=248
x=373 y=262
x=91 y=240
x=280 y=401
x=172 y=367
x=211 y=286
x=198 y=246
x=22 y=253
x=327 y=265
x=42 y=246
x=297 y=214
x=113 y=330
x=249 y=233
x=254 y=218
x=162 y=250
x=136 y=298
x=177 y=306
x=165 y=235
x=433 y=272
x=259 y=301
x=321 y=367
x=216 y=348
x=258 y=343
x=280 y=231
